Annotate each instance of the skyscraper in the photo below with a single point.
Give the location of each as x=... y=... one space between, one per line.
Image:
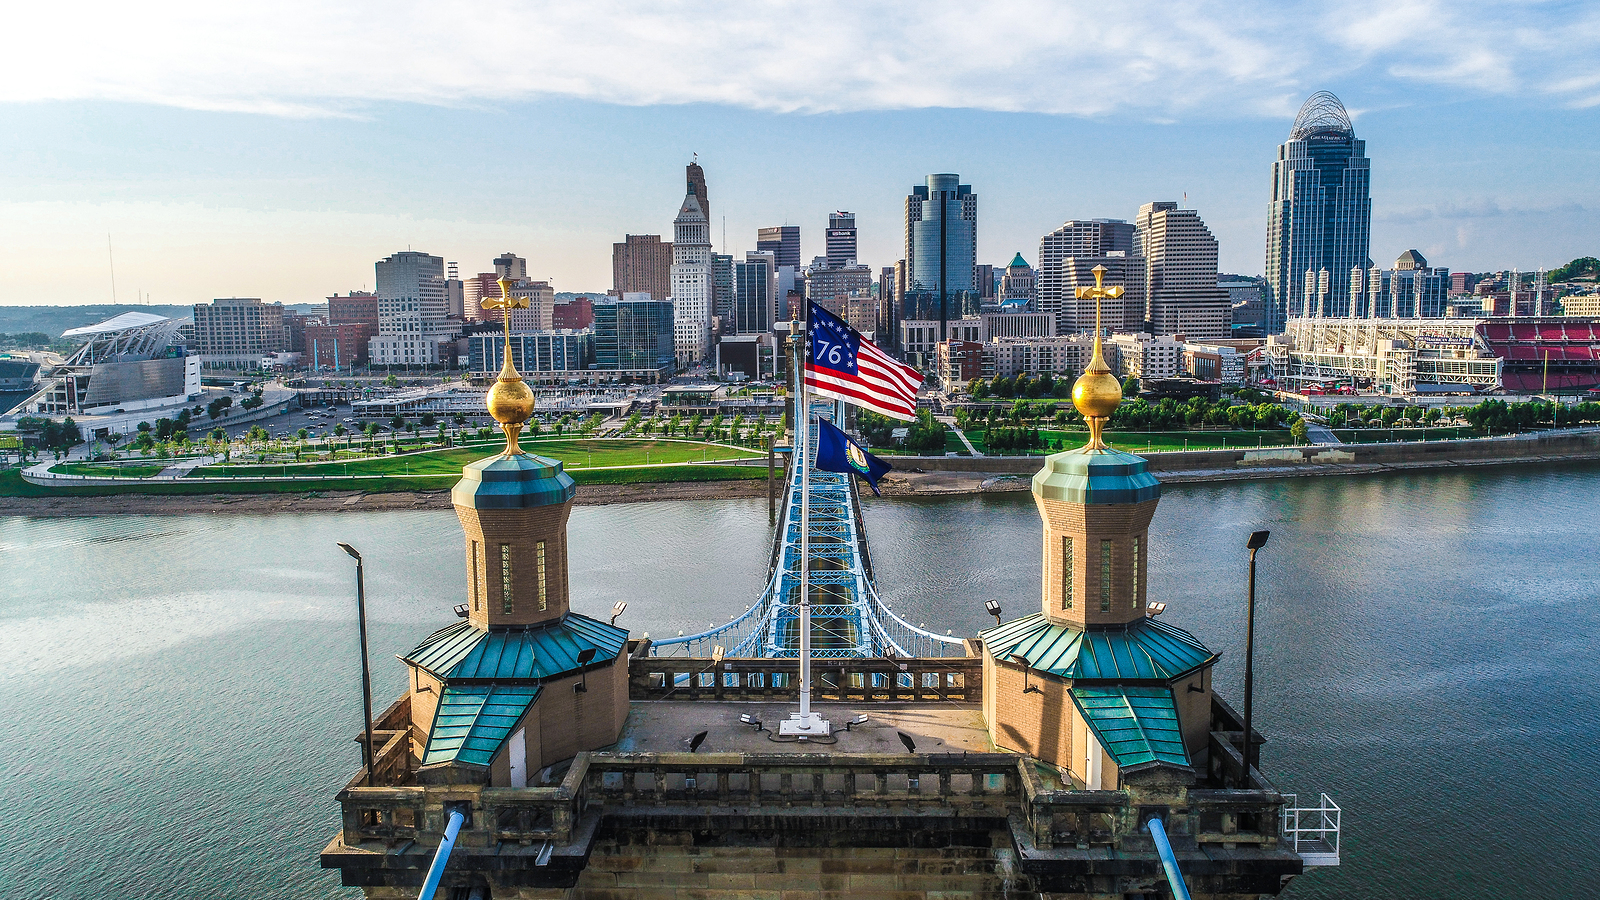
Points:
x=783 y=242
x=841 y=239
x=1019 y=285
x=696 y=177
x=1076 y=248
x=692 y=286
x=1181 y=292
x=753 y=284
x=722 y=288
x=942 y=245
x=641 y=264
x=509 y=265
x=412 y=307
x=1320 y=217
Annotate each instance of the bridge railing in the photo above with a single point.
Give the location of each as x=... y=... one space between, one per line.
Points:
x=854 y=679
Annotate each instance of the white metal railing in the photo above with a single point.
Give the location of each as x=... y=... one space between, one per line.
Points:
x=1312 y=831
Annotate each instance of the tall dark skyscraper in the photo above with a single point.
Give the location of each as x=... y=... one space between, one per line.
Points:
x=697 y=186
x=841 y=239
x=942 y=245
x=783 y=242
x=1320 y=220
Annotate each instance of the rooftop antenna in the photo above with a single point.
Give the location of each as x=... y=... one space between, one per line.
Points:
x=113 y=263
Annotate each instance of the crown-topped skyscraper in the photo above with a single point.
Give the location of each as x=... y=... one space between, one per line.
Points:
x=1093 y=682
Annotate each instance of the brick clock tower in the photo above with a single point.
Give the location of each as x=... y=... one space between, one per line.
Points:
x=1094 y=683
x=524 y=682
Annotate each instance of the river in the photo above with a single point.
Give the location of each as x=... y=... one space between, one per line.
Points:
x=181 y=692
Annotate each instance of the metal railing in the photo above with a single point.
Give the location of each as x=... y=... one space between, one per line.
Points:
x=1312 y=831
x=868 y=680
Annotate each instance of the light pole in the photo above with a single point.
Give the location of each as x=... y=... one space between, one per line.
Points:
x=366 y=676
x=1258 y=539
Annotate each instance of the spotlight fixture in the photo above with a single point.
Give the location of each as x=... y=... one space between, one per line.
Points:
x=1022 y=661
x=748 y=719
x=858 y=720
x=1155 y=608
x=584 y=658
x=619 y=609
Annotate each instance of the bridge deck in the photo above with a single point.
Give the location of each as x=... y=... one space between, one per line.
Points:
x=848 y=619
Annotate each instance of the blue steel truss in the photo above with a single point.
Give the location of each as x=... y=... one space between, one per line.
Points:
x=848 y=619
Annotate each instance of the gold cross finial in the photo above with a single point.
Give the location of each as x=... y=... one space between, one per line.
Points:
x=1097 y=392
x=509 y=400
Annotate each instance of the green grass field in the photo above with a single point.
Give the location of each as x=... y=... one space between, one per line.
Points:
x=1152 y=441
x=578 y=454
x=110 y=470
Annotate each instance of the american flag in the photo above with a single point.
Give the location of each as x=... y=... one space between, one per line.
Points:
x=848 y=368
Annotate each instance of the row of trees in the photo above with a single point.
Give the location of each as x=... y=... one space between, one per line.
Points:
x=1166 y=414
x=924 y=436
x=1046 y=385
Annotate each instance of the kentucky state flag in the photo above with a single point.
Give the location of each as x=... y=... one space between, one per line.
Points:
x=837 y=453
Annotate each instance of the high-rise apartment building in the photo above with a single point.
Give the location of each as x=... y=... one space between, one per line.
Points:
x=754 y=282
x=1320 y=217
x=641 y=263
x=942 y=245
x=454 y=292
x=783 y=242
x=235 y=332
x=352 y=321
x=830 y=286
x=692 y=287
x=1075 y=248
x=509 y=265
x=841 y=239
x=412 y=310
x=1181 y=292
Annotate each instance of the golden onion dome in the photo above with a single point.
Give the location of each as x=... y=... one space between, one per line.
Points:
x=1097 y=393
x=510 y=402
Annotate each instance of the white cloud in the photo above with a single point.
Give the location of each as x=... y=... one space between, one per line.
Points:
x=299 y=58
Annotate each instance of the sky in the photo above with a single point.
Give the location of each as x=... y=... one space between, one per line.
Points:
x=185 y=151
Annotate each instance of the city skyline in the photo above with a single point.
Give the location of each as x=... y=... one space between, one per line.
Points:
x=207 y=180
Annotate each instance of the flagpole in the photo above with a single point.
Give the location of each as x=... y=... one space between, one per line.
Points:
x=805 y=723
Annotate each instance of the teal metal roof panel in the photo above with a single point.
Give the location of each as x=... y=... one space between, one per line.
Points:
x=1095 y=477
x=473 y=721
x=513 y=482
x=1138 y=726
x=464 y=652
x=1143 y=650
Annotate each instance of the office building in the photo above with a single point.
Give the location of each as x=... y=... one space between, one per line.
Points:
x=336 y=346
x=1061 y=355
x=356 y=307
x=576 y=313
x=783 y=242
x=1180 y=256
x=1016 y=324
x=691 y=282
x=454 y=292
x=841 y=239
x=722 y=287
x=1075 y=248
x=829 y=287
x=1019 y=286
x=919 y=338
x=754 y=284
x=941 y=248
x=509 y=265
x=1074 y=315
x=236 y=332
x=634 y=337
x=412 y=308
x=987 y=278
x=696 y=178
x=1410 y=290
x=556 y=354
x=1320 y=217
x=641 y=263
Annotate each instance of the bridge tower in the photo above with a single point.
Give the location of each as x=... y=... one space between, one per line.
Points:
x=523 y=682
x=1094 y=683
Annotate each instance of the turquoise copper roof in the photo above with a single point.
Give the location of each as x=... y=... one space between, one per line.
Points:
x=1018 y=261
x=1095 y=476
x=513 y=482
x=1138 y=726
x=465 y=653
x=472 y=721
x=1143 y=650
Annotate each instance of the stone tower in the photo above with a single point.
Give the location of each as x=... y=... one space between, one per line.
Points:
x=1093 y=683
x=524 y=682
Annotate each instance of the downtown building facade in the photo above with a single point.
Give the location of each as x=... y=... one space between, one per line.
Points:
x=1067 y=257
x=641 y=263
x=783 y=242
x=693 y=289
x=1180 y=260
x=538 y=355
x=1319 y=220
x=841 y=239
x=1019 y=286
x=413 y=311
x=941 y=242
x=634 y=337
x=754 y=283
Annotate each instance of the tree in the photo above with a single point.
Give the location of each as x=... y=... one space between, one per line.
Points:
x=391 y=381
x=216 y=407
x=253 y=401
x=1298 y=432
x=1130 y=386
x=429 y=420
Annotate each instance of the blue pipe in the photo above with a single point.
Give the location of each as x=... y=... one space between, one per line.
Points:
x=451 y=829
x=1169 y=861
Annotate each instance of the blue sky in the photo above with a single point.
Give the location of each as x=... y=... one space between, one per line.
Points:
x=278 y=151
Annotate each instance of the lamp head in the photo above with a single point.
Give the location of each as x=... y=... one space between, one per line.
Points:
x=992 y=607
x=350 y=550
x=586 y=656
x=1258 y=539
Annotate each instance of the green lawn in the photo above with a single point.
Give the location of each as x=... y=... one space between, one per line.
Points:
x=110 y=470
x=1154 y=441
x=578 y=454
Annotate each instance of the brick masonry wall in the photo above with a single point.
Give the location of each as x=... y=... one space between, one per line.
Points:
x=522 y=529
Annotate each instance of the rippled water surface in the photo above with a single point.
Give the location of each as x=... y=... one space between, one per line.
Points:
x=180 y=693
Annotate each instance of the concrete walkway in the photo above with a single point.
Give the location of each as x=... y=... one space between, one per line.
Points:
x=950 y=422
x=1321 y=434
x=184 y=467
